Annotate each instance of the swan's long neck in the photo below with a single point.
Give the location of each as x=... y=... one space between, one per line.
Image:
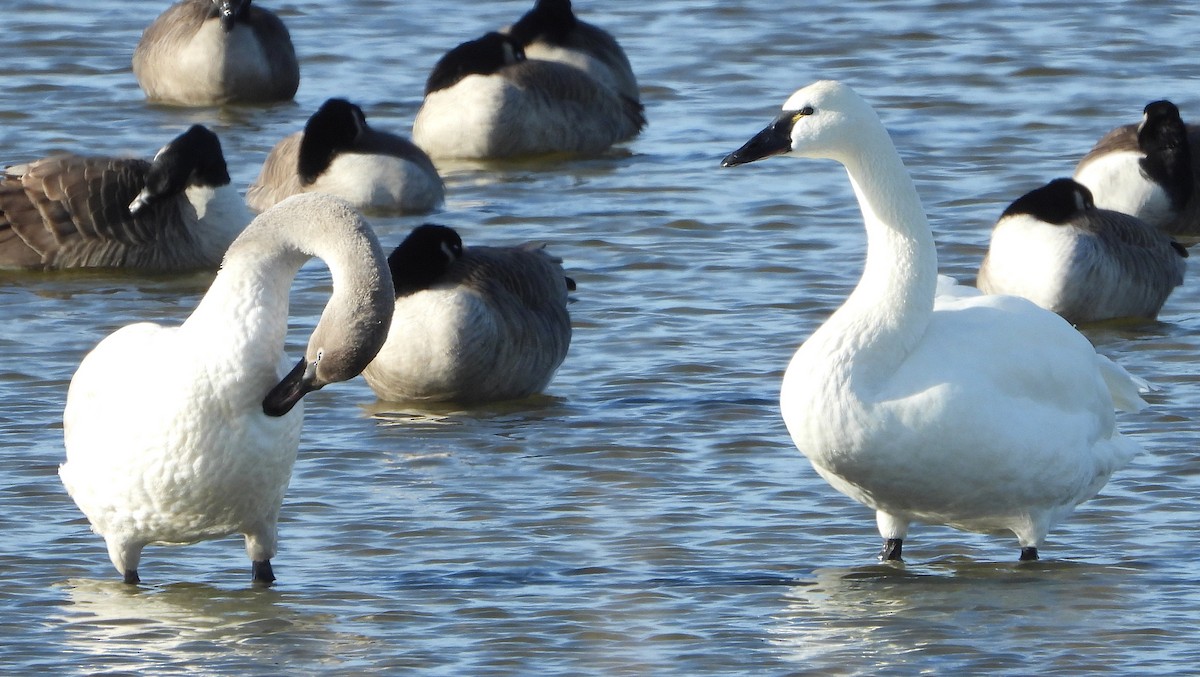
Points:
x=889 y=309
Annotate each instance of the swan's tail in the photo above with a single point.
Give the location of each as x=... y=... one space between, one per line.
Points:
x=1126 y=389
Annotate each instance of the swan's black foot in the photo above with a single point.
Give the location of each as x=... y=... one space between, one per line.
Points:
x=131 y=577
x=891 y=550
x=263 y=575
x=1029 y=554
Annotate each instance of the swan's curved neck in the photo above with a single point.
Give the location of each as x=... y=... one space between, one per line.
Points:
x=888 y=311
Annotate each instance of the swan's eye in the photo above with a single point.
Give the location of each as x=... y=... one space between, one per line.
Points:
x=807 y=110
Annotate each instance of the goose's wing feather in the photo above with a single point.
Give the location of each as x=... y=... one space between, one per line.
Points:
x=527 y=273
x=56 y=206
x=1143 y=253
x=279 y=177
x=392 y=144
x=569 y=84
x=278 y=49
x=1123 y=138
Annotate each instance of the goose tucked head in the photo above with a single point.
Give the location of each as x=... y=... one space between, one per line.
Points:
x=230 y=12
x=423 y=257
x=355 y=322
x=483 y=56
x=549 y=20
x=1163 y=137
x=334 y=128
x=1058 y=202
x=193 y=158
x=822 y=120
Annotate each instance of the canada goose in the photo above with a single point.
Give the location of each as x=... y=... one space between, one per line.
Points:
x=551 y=32
x=181 y=434
x=175 y=213
x=208 y=52
x=1055 y=248
x=1148 y=170
x=339 y=154
x=472 y=324
x=979 y=412
x=484 y=100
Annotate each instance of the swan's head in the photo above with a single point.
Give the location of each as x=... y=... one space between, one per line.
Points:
x=354 y=325
x=1057 y=202
x=193 y=158
x=334 y=128
x=423 y=257
x=822 y=120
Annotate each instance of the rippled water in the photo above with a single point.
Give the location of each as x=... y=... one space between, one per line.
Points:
x=650 y=514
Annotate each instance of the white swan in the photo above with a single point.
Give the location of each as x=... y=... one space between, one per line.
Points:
x=1055 y=248
x=551 y=32
x=1148 y=170
x=339 y=154
x=175 y=213
x=981 y=412
x=472 y=324
x=180 y=434
x=485 y=100
x=207 y=52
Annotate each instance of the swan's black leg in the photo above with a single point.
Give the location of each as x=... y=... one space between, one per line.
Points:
x=131 y=577
x=1028 y=554
x=262 y=572
x=891 y=550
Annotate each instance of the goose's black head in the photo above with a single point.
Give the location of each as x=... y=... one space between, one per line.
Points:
x=423 y=257
x=549 y=20
x=230 y=12
x=333 y=129
x=1163 y=138
x=483 y=56
x=1057 y=202
x=193 y=158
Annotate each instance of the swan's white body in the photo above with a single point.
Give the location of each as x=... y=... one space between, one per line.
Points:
x=165 y=431
x=980 y=412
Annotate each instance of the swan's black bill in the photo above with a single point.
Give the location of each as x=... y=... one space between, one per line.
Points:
x=776 y=139
x=299 y=382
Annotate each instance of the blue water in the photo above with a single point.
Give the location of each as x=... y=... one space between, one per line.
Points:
x=650 y=514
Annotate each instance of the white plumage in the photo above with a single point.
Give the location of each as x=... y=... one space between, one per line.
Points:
x=980 y=412
x=179 y=434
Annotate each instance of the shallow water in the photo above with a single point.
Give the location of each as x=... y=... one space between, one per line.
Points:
x=650 y=514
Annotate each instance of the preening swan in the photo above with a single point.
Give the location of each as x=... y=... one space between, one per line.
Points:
x=484 y=100
x=1148 y=170
x=187 y=433
x=551 y=32
x=175 y=213
x=339 y=154
x=472 y=324
x=207 y=52
x=1055 y=248
x=980 y=412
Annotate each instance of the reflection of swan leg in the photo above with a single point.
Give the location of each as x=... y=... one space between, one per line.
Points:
x=125 y=557
x=260 y=546
x=893 y=529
